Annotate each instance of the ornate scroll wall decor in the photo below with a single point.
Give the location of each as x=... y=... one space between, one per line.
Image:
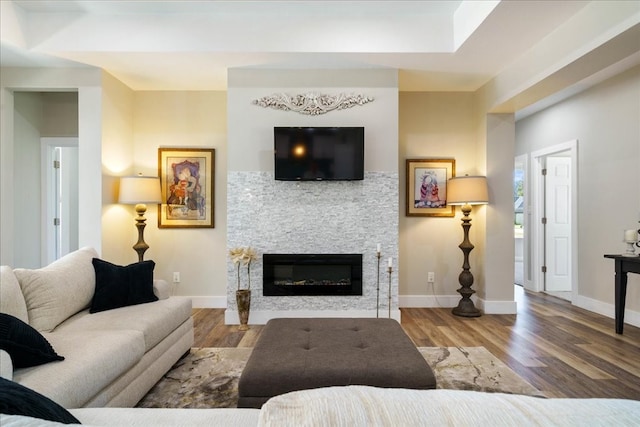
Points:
x=312 y=103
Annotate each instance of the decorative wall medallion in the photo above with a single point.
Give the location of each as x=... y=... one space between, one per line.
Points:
x=312 y=103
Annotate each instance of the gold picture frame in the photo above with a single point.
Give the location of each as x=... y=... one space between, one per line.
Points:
x=427 y=187
x=188 y=187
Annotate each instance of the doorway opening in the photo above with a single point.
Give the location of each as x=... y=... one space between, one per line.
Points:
x=554 y=241
x=38 y=115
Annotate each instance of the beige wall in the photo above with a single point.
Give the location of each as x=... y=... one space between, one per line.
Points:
x=456 y=125
x=434 y=125
x=194 y=120
x=60 y=114
x=119 y=232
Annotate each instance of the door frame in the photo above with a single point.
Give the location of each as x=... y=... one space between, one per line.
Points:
x=538 y=235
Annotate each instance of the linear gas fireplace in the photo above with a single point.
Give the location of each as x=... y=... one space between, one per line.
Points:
x=317 y=274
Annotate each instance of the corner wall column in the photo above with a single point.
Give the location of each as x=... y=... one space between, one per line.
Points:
x=499 y=253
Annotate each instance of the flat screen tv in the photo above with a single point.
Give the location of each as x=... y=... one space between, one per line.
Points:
x=319 y=153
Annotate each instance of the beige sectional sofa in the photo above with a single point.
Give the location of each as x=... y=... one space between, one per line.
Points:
x=112 y=357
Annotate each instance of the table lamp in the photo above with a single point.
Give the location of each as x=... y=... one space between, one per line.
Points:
x=139 y=190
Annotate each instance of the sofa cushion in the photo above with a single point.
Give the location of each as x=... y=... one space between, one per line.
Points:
x=357 y=406
x=11 y=299
x=26 y=346
x=118 y=286
x=16 y=399
x=59 y=290
x=161 y=289
x=92 y=362
x=155 y=320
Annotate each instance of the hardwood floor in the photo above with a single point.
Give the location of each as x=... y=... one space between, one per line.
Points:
x=562 y=350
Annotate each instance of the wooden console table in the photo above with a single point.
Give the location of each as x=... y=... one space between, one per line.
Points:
x=624 y=265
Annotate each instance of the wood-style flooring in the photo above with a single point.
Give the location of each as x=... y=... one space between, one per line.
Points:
x=562 y=350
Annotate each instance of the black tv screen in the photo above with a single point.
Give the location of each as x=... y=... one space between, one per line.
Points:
x=319 y=153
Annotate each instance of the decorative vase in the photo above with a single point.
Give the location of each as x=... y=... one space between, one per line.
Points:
x=243 y=300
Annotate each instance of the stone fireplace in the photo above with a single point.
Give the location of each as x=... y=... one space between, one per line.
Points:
x=306 y=218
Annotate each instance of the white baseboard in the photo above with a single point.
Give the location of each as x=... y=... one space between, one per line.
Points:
x=606 y=309
x=449 y=301
x=410 y=301
x=209 y=301
x=428 y=301
x=261 y=317
x=497 y=307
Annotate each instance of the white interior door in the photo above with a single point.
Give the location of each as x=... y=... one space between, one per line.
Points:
x=59 y=197
x=558 y=224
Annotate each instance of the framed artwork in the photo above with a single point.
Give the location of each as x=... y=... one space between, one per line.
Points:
x=187 y=183
x=427 y=187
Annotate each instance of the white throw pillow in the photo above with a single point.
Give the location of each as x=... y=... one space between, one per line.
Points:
x=60 y=290
x=11 y=298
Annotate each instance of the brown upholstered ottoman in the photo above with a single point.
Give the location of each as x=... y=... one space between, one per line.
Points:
x=298 y=354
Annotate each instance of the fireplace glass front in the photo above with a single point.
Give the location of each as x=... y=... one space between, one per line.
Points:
x=312 y=274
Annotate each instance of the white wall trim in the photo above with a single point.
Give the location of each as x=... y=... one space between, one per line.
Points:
x=606 y=309
x=261 y=317
x=449 y=301
x=209 y=301
x=428 y=301
x=407 y=301
x=498 y=307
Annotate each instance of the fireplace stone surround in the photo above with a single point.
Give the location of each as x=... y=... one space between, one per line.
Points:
x=342 y=217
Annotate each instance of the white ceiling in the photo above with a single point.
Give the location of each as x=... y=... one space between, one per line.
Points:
x=450 y=45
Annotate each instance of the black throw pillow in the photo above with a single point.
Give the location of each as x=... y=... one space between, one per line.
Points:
x=118 y=286
x=26 y=346
x=16 y=399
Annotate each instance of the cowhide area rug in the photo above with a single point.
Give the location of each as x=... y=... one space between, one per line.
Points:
x=208 y=377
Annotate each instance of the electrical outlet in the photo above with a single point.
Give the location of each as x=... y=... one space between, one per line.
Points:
x=431 y=277
x=176 y=277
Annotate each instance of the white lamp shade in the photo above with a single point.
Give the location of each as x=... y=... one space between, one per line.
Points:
x=139 y=189
x=471 y=190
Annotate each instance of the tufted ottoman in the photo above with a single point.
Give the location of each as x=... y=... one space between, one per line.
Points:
x=298 y=354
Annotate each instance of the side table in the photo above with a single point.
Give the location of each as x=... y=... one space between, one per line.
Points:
x=623 y=265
